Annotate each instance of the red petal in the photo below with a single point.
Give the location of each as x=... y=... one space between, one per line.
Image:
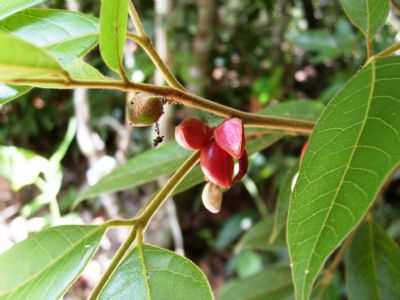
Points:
x=229 y=135
x=243 y=166
x=217 y=165
x=192 y=134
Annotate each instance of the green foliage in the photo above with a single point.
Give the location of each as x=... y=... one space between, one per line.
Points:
x=352 y=151
x=113 y=23
x=372 y=265
x=150 y=272
x=367 y=15
x=44 y=265
x=8 y=8
x=24 y=60
x=273 y=283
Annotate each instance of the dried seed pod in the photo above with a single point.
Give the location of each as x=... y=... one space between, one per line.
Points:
x=217 y=165
x=143 y=109
x=212 y=197
x=192 y=134
x=229 y=135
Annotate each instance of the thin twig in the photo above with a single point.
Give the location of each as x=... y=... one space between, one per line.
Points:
x=137 y=22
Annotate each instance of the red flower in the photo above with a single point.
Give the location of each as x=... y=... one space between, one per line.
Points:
x=219 y=147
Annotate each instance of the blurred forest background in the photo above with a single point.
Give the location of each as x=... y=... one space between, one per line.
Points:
x=249 y=54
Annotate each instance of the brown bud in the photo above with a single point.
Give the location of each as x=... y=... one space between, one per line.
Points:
x=212 y=197
x=143 y=109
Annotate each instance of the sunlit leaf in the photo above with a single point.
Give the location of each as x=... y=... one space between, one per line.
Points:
x=367 y=15
x=154 y=273
x=46 y=264
x=113 y=28
x=23 y=60
x=274 y=283
x=373 y=265
x=66 y=35
x=7 y=7
x=352 y=151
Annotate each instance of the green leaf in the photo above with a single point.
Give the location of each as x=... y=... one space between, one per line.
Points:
x=352 y=152
x=46 y=264
x=154 y=273
x=373 y=265
x=113 y=28
x=66 y=35
x=258 y=237
x=7 y=7
x=23 y=60
x=274 y=283
x=282 y=205
x=367 y=15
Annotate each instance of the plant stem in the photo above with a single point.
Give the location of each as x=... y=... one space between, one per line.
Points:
x=137 y=22
x=370 y=50
x=147 y=46
x=388 y=51
x=158 y=200
x=182 y=97
x=113 y=265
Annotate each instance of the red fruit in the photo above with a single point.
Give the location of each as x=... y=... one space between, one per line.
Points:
x=243 y=165
x=192 y=134
x=229 y=135
x=217 y=165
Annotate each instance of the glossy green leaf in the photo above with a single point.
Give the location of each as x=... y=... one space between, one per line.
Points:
x=7 y=7
x=46 y=264
x=367 y=15
x=282 y=205
x=352 y=152
x=258 y=237
x=23 y=60
x=373 y=265
x=66 y=35
x=153 y=273
x=113 y=28
x=274 y=283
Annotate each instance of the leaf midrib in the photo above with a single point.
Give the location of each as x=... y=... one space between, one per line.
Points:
x=52 y=262
x=370 y=96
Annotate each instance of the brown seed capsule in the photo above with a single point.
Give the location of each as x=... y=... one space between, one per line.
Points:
x=212 y=197
x=143 y=109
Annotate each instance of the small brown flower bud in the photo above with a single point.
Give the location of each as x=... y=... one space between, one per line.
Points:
x=143 y=109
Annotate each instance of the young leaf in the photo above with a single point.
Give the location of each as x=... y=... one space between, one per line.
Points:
x=154 y=273
x=46 y=264
x=23 y=60
x=274 y=283
x=367 y=15
x=113 y=28
x=7 y=7
x=66 y=35
x=373 y=265
x=352 y=151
